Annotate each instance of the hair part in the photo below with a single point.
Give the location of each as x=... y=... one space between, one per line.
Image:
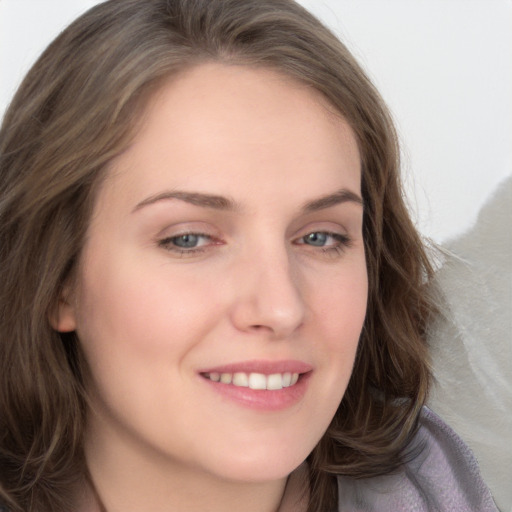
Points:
x=78 y=108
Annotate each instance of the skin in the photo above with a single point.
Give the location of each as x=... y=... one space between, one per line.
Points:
x=151 y=315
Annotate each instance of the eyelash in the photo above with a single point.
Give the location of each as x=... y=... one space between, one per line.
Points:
x=168 y=243
x=342 y=243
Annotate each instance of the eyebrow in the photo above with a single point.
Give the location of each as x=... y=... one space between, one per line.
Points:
x=195 y=198
x=216 y=202
x=341 y=196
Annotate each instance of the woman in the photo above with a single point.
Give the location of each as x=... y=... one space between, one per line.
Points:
x=212 y=294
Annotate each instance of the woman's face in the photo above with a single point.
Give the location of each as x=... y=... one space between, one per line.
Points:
x=222 y=287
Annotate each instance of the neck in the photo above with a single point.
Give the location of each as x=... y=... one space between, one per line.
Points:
x=180 y=495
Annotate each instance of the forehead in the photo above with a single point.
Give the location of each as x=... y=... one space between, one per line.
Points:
x=219 y=125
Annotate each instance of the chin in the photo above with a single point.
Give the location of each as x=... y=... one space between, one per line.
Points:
x=261 y=472
x=261 y=465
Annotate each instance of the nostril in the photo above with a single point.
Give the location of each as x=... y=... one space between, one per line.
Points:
x=258 y=327
x=261 y=328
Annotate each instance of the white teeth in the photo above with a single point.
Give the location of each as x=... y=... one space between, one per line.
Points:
x=259 y=381
x=226 y=378
x=275 y=381
x=241 y=379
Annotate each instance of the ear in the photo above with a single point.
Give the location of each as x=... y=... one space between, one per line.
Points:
x=62 y=317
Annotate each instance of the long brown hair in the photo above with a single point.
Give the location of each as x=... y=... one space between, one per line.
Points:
x=78 y=108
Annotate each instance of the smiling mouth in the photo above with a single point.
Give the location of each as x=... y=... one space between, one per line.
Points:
x=256 y=381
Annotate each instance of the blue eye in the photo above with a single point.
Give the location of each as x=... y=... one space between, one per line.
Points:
x=323 y=239
x=317 y=239
x=326 y=242
x=188 y=241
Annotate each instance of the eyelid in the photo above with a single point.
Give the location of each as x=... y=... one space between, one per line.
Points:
x=211 y=237
x=189 y=232
x=340 y=243
x=332 y=226
x=184 y=227
x=340 y=237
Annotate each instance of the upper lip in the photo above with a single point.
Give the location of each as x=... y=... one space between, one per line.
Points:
x=261 y=366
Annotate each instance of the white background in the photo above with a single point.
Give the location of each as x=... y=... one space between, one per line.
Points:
x=443 y=66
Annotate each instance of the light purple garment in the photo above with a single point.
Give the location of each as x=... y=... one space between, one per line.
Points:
x=444 y=477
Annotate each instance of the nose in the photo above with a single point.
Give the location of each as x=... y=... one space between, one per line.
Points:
x=268 y=297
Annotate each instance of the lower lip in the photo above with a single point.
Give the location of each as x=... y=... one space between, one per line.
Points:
x=262 y=399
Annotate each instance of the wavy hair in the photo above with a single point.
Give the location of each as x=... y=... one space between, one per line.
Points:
x=75 y=111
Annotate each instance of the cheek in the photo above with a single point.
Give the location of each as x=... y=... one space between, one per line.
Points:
x=138 y=326
x=340 y=309
x=143 y=312
x=340 y=304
